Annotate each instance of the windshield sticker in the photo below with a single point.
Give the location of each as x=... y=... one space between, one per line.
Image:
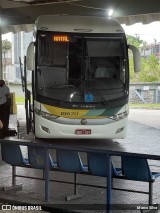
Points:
x=88 y=97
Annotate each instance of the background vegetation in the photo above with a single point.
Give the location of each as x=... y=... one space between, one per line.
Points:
x=150 y=66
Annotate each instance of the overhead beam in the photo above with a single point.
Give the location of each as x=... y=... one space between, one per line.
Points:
x=28 y=14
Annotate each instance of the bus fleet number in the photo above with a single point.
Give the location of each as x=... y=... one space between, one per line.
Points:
x=69 y=113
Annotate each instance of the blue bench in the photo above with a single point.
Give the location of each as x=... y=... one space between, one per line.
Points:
x=69 y=161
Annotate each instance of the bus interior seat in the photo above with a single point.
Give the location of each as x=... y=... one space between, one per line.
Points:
x=101 y=72
x=103 y=67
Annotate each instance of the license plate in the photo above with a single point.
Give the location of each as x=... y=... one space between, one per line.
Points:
x=83 y=131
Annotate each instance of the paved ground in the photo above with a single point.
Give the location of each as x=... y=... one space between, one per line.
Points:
x=143 y=132
x=146 y=116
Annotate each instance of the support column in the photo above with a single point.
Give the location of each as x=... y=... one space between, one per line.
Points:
x=109 y=184
x=47 y=178
x=1 y=68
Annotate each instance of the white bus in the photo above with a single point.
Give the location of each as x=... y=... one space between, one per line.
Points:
x=80 y=77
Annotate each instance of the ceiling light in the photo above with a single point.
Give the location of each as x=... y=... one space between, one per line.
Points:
x=110 y=12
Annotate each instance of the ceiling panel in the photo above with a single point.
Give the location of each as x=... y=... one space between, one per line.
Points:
x=18 y=12
x=39 y=1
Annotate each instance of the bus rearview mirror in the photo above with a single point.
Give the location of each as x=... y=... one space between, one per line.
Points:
x=30 y=57
x=136 y=58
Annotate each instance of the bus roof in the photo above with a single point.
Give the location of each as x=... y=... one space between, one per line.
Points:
x=79 y=24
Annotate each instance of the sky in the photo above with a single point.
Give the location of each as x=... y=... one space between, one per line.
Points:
x=7 y=36
x=147 y=32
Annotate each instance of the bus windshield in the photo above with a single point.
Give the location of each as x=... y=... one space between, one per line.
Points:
x=77 y=68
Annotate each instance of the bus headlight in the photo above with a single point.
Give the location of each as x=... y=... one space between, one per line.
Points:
x=119 y=116
x=45 y=115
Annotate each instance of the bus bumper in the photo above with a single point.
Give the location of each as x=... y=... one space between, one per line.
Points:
x=48 y=129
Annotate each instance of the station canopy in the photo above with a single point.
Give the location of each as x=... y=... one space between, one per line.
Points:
x=20 y=15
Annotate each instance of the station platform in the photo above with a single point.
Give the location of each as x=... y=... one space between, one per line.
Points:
x=139 y=137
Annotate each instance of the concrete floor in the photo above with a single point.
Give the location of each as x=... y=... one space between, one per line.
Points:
x=143 y=132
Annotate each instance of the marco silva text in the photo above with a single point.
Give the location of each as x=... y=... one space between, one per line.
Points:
x=148 y=207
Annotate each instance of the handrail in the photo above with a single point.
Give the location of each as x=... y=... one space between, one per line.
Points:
x=111 y=152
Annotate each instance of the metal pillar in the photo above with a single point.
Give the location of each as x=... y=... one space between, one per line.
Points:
x=1 y=68
x=47 y=185
x=109 y=184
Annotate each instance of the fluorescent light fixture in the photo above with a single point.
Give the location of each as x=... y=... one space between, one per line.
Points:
x=110 y=12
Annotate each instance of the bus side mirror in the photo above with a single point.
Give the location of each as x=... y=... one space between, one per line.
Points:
x=30 y=56
x=136 y=58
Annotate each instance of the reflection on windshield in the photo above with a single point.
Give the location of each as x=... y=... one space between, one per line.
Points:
x=69 y=70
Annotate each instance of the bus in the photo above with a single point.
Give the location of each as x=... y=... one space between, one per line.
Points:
x=80 y=77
